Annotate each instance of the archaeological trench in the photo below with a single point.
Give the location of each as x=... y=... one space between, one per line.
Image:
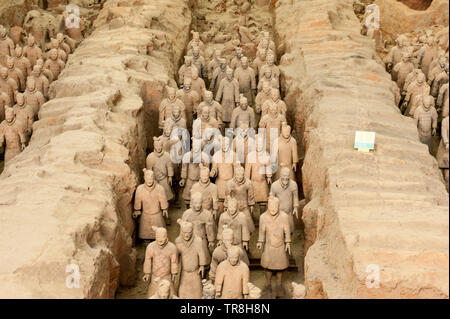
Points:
x=67 y=198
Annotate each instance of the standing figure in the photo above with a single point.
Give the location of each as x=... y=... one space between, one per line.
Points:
x=410 y=78
x=263 y=96
x=442 y=100
x=190 y=99
x=205 y=125
x=274 y=99
x=427 y=54
x=186 y=70
x=287 y=152
x=8 y=85
x=161 y=261
x=219 y=74
x=414 y=93
x=258 y=63
x=272 y=123
x=42 y=84
x=196 y=42
x=190 y=169
x=167 y=105
x=264 y=47
x=228 y=95
x=54 y=64
x=243 y=113
x=32 y=51
x=203 y=223
x=6 y=45
x=237 y=59
x=395 y=55
x=192 y=260
x=275 y=241
x=258 y=169
x=151 y=204
x=15 y=74
x=4 y=103
x=54 y=45
x=215 y=109
x=221 y=252
x=161 y=164
x=33 y=97
x=12 y=135
x=268 y=77
x=286 y=190
x=243 y=142
x=442 y=154
x=270 y=64
x=236 y=221
x=439 y=76
x=198 y=85
x=62 y=44
x=245 y=76
x=222 y=169
x=208 y=190
x=241 y=188
x=403 y=68
x=426 y=117
x=232 y=277
x=214 y=64
x=199 y=62
x=24 y=115
x=46 y=72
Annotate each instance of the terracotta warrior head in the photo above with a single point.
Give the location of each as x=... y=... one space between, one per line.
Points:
x=225 y=144
x=222 y=64
x=268 y=73
x=204 y=113
x=196 y=51
x=244 y=62
x=428 y=101
x=54 y=43
x=285 y=176
x=273 y=110
x=405 y=57
x=229 y=74
x=53 y=54
x=4 y=72
x=420 y=78
x=194 y=74
x=227 y=237
x=209 y=97
x=286 y=131
x=196 y=201
x=238 y=52
x=204 y=174
x=10 y=62
x=176 y=112
x=171 y=93
x=149 y=177
x=31 y=84
x=401 y=41
x=157 y=145
x=10 y=116
x=168 y=127
x=3 y=31
x=187 y=84
x=37 y=69
x=239 y=174
x=60 y=38
x=20 y=98
x=274 y=94
x=186 y=229
x=273 y=205
x=243 y=102
x=188 y=60
x=31 y=41
x=160 y=235
x=233 y=255
x=18 y=51
x=270 y=60
x=232 y=206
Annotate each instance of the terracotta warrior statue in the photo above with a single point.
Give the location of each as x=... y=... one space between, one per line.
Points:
x=287 y=152
x=208 y=190
x=219 y=74
x=42 y=83
x=403 y=68
x=54 y=45
x=270 y=64
x=243 y=113
x=199 y=62
x=223 y=170
x=161 y=164
x=237 y=59
x=46 y=72
x=395 y=55
x=414 y=93
x=228 y=95
x=190 y=169
x=161 y=261
x=203 y=127
x=12 y=135
x=167 y=105
x=15 y=74
x=163 y=291
x=262 y=97
x=198 y=85
x=193 y=262
x=54 y=64
x=8 y=85
x=62 y=43
x=286 y=190
x=241 y=188
x=258 y=62
x=165 y=139
x=232 y=277
x=264 y=46
x=442 y=100
x=4 y=103
x=235 y=220
x=215 y=109
x=442 y=154
x=243 y=142
x=274 y=99
x=410 y=78
x=196 y=42
x=33 y=97
x=426 y=117
x=203 y=222
x=6 y=45
x=272 y=123
x=186 y=70
x=190 y=99
x=438 y=77
x=214 y=64
x=245 y=76
x=24 y=115
x=275 y=241
x=266 y=36
x=268 y=77
x=427 y=53
x=258 y=169
x=221 y=252
x=151 y=204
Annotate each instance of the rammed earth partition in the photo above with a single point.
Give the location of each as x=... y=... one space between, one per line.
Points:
x=66 y=200
x=385 y=212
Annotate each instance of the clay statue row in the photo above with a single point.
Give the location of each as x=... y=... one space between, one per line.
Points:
x=420 y=68
x=25 y=77
x=221 y=189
